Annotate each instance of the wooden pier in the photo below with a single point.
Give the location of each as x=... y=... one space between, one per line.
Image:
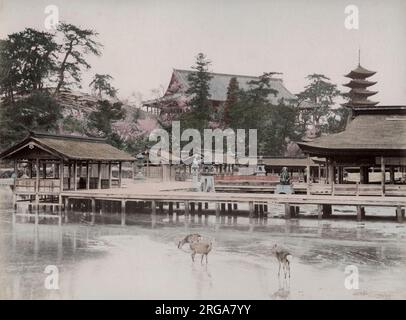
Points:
x=155 y=196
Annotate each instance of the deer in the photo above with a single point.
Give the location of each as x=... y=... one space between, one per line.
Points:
x=190 y=238
x=202 y=248
x=283 y=257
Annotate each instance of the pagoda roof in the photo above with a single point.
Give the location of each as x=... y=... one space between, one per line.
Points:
x=359 y=83
x=370 y=133
x=360 y=103
x=360 y=73
x=360 y=92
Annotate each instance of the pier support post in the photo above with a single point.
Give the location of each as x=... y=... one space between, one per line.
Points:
x=360 y=213
x=319 y=211
x=199 y=208
x=186 y=209
x=123 y=212
x=251 y=210
x=66 y=209
x=288 y=213
x=153 y=208
x=400 y=214
x=161 y=207
x=217 y=212
x=327 y=210
x=192 y=208
x=170 y=208
x=93 y=210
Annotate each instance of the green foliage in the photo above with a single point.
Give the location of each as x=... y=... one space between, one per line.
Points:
x=278 y=130
x=76 y=43
x=251 y=109
x=231 y=101
x=138 y=145
x=101 y=84
x=322 y=94
x=72 y=124
x=37 y=112
x=199 y=94
x=27 y=59
x=100 y=121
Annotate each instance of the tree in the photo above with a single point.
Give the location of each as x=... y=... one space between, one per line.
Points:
x=27 y=60
x=322 y=94
x=37 y=112
x=76 y=43
x=231 y=100
x=199 y=94
x=101 y=84
x=100 y=121
x=278 y=130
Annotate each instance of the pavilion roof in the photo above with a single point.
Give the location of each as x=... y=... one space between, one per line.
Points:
x=374 y=133
x=69 y=147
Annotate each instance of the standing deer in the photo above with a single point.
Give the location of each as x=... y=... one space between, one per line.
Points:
x=190 y=238
x=283 y=257
x=202 y=248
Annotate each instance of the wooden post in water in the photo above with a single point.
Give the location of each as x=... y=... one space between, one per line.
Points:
x=199 y=209
x=93 y=214
x=217 y=205
x=287 y=211
x=399 y=214
x=170 y=208
x=186 y=209
x=359 y=213
x=123 y=202
x=153 y=207
x=251 y=210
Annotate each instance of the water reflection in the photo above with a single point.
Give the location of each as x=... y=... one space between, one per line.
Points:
x=141 y=260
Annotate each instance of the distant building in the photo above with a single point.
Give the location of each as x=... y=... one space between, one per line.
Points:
x=174 y=101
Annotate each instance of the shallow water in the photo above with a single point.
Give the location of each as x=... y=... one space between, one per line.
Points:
x=142 y=261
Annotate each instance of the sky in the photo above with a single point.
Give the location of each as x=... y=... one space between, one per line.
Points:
x=144 y=40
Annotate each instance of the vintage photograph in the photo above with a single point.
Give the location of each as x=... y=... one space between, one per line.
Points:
x=202 y=150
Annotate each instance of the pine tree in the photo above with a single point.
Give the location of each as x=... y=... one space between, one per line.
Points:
x=231 y=101
x=199 y=95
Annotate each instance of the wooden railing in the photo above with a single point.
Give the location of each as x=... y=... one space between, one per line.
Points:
x=25 y=185
x=45 y=185
x=50 y=185
x=358 y=189
x=395 y=190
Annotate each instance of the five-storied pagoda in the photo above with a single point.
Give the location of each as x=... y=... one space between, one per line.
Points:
x=359 y=92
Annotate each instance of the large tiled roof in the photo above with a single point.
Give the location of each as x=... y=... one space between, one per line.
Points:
x=220 y=81
x=367 y=131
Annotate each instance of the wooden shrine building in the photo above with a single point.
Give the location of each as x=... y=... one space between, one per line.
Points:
x=46 y=165
x=373 y=145
x=174 y=100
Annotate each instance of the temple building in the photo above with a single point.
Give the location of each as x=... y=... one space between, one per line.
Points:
x=369 y=156
x=174 y=101
x=359 y=93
